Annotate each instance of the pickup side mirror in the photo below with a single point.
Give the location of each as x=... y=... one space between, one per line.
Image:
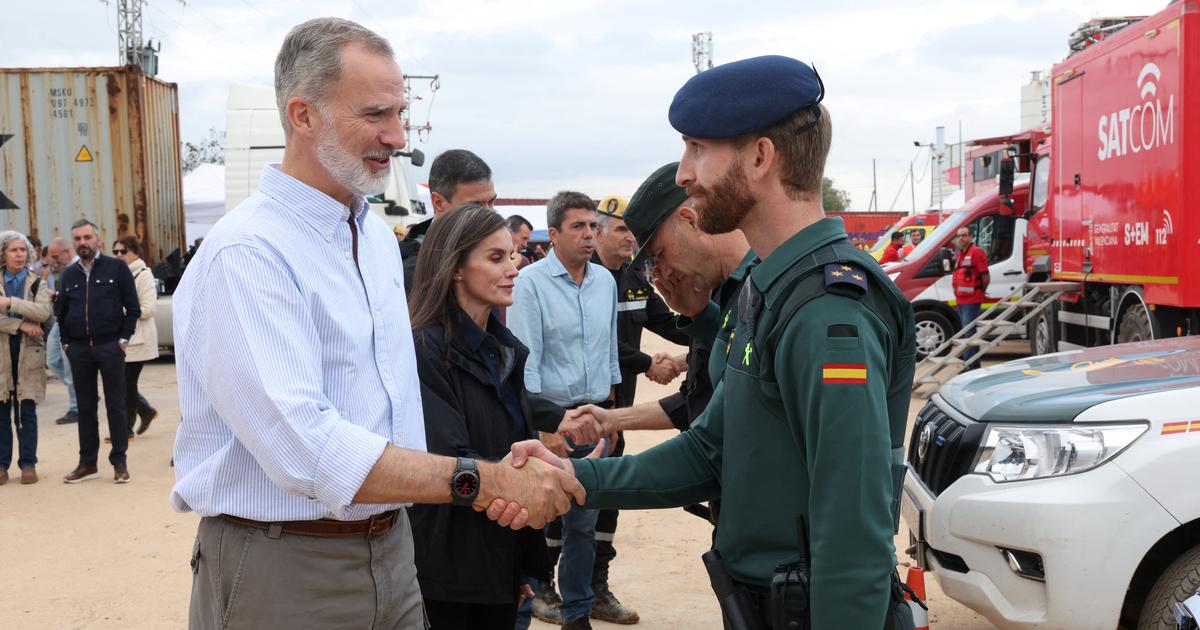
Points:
x=938 y=265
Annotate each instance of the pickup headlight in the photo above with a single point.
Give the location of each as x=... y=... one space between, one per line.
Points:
x=1016 y=453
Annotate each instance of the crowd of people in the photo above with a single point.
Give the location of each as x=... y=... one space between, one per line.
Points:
x=87 y=318
x=328 y=495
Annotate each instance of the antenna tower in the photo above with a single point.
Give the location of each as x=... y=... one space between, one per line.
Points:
x=702 y=51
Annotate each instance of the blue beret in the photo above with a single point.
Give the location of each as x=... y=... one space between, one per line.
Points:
x=744 y=96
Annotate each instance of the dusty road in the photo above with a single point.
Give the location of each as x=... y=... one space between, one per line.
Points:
x=99 y=555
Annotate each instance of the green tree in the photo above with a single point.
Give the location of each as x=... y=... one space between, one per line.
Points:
x=210 y=150
x=833 y=199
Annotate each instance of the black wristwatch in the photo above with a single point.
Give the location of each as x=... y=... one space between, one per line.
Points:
x=464 y=483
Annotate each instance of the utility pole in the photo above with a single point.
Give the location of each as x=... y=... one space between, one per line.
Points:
x=129 y=31
x=912 y=187
x=702 y=51
x=132 y=50
x=874 y=205
x=410 y=97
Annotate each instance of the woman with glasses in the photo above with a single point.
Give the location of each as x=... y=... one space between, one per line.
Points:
x=473 y=392
x=143 y=345
x=24 y=306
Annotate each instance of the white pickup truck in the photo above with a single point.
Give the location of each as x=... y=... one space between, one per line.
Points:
x=1063 y=491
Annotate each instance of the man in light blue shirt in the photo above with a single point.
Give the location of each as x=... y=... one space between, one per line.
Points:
x=565 y=309
x=302 y=435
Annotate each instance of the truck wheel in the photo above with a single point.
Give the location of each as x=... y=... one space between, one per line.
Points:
x=1134 y=324
x=933 y=329
x=1177 y=583
x=1043 y=332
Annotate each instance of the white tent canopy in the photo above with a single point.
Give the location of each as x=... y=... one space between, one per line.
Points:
x=203 y=199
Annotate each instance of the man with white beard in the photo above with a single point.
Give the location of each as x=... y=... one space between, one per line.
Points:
x=304 y=434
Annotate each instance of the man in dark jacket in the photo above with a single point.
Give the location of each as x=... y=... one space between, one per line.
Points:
x=97 y=310
x=638 y=308
x=455 y=177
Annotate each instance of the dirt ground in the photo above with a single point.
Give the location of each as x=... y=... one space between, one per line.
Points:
x=100 y=555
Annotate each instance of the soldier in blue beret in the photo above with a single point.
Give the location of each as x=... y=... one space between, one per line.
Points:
x=805 y=432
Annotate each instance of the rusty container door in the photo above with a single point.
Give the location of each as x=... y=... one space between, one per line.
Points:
x=95 y=143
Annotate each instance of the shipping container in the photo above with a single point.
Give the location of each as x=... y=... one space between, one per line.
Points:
x=96 y=143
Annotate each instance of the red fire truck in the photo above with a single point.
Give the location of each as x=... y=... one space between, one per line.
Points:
x=1112 y=206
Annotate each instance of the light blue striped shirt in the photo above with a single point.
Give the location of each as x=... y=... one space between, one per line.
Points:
x=295 y=371
x=571 y=331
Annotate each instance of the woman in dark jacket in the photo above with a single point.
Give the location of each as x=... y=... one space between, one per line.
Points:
x=473 y=392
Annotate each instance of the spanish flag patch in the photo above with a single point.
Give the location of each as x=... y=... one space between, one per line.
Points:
x=844 y=373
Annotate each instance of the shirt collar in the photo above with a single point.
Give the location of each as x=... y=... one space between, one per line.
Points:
x=19 y=276
x=474 y=336
x=471 y=333
x=558 y=269
x=323 y=212
x=800 y=245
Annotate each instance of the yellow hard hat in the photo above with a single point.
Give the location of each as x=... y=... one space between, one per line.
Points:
x=613 y=206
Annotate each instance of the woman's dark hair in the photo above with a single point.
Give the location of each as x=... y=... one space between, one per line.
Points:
x=447 y=245
x=131 y=243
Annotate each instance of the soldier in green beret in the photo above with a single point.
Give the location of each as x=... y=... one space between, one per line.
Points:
x=807 y=425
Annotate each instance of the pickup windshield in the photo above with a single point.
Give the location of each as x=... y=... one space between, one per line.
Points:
x=939 y=236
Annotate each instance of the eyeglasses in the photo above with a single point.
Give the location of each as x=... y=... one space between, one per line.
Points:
x=119 y=251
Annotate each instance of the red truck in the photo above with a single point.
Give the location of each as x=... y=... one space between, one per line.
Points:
x=1111 y=206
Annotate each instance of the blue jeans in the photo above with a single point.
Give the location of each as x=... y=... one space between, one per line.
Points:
x=578 y=556
x=968 y=313
x=525 y=610
x=27 y=435
x=56 y=360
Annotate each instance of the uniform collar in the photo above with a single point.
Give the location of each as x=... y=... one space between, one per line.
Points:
x=322 y=212
x=796 y=248
x=743 y=268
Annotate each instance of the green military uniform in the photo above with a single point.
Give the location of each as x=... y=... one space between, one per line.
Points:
x=811 y=433
x=716 y=322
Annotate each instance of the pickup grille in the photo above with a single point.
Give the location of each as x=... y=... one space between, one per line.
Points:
x=949 y=449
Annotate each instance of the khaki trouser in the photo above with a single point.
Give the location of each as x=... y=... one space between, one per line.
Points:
x=243 y=578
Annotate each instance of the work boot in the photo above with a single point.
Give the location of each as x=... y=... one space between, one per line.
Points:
x=547 y=605
x=147 y=415
x=28 y=475
x=3 y=477
x=581 y=623
x=71 y=417
x=606 y=607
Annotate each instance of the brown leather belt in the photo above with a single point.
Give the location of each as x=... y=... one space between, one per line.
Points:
x=325 y=528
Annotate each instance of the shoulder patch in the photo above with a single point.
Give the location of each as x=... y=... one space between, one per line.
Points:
x=845 y=275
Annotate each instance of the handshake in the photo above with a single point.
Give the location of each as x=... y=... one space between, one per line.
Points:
x=665 y=368
x=531 y=486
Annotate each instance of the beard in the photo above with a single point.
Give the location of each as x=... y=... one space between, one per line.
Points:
x=723 y=208
x=348 y=169
x=85 y=252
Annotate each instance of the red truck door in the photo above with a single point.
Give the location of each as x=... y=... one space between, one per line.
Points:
x=1068 y=131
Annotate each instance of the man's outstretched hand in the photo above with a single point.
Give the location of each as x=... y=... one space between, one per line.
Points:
x=509 y=511
x=530 y=494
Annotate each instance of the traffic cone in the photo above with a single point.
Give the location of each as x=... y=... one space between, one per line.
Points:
x=916 y=584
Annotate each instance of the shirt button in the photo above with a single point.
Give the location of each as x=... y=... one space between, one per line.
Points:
x=349 y=255
x=328 y=233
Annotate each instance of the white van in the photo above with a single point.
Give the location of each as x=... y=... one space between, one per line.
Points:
x=254 y=138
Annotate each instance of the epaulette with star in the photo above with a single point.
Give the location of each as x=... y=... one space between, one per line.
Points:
x=845 y=276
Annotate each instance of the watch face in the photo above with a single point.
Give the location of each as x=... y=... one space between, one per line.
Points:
x=466 y=484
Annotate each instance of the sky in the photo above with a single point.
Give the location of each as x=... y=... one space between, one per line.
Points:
x=573 y=95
